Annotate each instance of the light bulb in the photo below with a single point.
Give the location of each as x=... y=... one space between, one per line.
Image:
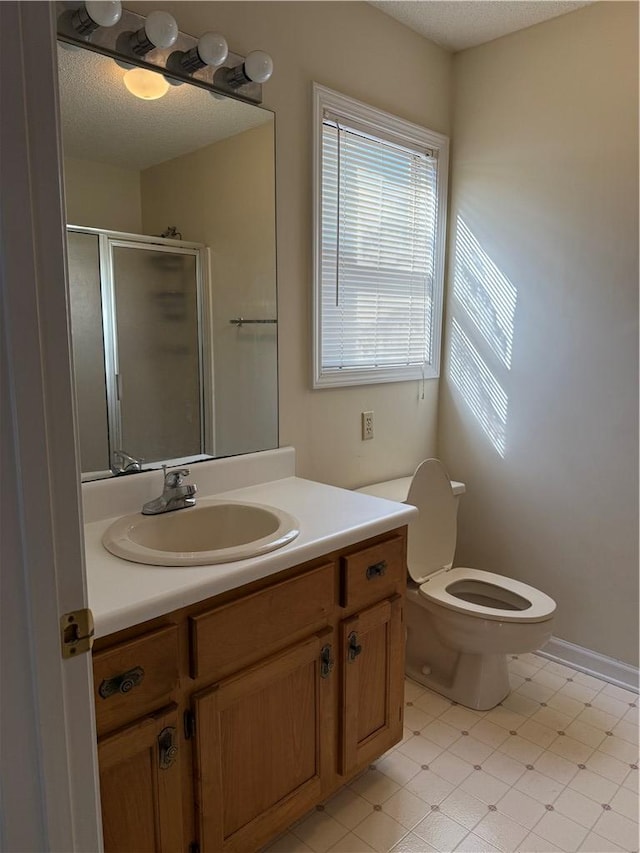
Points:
x=212 y=49
x=161 y=29
x=104 y=13
x=145 y=84
x=94 y=14
x=258 y=66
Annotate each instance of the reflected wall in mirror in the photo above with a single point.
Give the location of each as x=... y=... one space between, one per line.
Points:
x=162 y=372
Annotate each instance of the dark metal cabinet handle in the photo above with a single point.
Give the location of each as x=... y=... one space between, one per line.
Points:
x=122 y=683
x=167 y=747
x=326 y=661
x=376 y=570
x=353 y=649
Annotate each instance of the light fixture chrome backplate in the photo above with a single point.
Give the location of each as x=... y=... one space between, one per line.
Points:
x=109 y=40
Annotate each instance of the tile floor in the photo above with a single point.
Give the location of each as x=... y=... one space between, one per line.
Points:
x=553 y=768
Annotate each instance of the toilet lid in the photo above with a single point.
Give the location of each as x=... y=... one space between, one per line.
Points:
x=431 y=542
x=488 y=595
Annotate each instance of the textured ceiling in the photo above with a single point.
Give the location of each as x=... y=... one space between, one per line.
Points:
x=104 y=122
x=459 y=24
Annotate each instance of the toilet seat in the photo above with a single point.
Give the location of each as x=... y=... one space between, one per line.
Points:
x=540 y=606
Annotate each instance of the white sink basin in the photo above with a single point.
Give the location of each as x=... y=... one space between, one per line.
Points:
x=213 y=531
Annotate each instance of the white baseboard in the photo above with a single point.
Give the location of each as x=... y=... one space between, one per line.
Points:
x=585 y=660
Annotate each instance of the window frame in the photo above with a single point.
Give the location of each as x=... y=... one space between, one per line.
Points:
x=385 y=126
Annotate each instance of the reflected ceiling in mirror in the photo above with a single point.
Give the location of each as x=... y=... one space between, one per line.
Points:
x=164 y=371
x=101 y=118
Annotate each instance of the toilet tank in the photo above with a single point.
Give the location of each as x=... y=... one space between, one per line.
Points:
x=397 y=490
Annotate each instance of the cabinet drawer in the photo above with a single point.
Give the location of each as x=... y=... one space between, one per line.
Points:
x=135 y=677
x=371 y=574
x=224 y=639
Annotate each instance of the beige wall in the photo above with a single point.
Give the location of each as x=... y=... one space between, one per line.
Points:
x=223 y=196
x=99 y=195
x=357 y=50
x=545 y=178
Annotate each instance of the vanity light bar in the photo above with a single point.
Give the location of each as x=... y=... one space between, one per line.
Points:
x=132 y=37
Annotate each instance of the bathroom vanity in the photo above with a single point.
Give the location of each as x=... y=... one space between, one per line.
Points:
x=222 y=721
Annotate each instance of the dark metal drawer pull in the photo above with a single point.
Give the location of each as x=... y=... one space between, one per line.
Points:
x=326 y=661
x=167 y=746
x=122 y=683
x=353 y=649
x=376 y=570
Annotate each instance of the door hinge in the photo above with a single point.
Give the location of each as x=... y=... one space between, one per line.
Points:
x=189 y=725
x=76 y=632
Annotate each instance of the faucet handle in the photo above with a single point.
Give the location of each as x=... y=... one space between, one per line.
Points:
x=175 y=477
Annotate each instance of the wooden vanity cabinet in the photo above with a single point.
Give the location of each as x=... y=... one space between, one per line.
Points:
x=275 y=694
x=263 y=747
x=372 y=651
x=136 y=685
x=372 y=683
x=141 y=786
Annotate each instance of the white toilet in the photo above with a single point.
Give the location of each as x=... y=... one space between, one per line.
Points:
x=461 y=622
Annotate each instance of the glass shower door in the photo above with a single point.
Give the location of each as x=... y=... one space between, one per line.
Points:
x=158 y=359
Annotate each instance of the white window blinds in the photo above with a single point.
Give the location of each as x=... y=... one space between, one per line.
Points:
x=378 y=247
x=378 y=232
x=379 y=244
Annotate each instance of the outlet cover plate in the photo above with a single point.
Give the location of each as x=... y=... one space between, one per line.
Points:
x=367 y=426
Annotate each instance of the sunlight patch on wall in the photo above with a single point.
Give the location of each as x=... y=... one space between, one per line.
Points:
x=484 y=396
x=484 y=305
x=487 y=296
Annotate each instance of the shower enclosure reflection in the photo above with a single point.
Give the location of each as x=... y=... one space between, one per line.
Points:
x=140 y=338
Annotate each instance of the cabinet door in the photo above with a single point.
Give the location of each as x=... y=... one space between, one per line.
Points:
x=372 y=645
x=264 y=746
x=140 y=786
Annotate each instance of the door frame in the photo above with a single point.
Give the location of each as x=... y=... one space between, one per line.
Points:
x=42 y=543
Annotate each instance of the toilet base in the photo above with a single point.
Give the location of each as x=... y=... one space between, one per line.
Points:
x=479 y=682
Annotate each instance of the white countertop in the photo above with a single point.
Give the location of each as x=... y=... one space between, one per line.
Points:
x=122 y=594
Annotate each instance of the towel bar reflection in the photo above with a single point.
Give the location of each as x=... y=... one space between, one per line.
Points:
x=241 y=321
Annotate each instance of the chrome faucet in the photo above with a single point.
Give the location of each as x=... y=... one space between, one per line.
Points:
x=123 y=463
x=175 y=495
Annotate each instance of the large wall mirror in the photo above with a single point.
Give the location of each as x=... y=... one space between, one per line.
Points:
x=171 y=246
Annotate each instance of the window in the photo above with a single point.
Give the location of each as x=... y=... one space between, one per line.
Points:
x=380 y=213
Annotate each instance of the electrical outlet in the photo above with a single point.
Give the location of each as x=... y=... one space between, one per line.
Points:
x=367 y=425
